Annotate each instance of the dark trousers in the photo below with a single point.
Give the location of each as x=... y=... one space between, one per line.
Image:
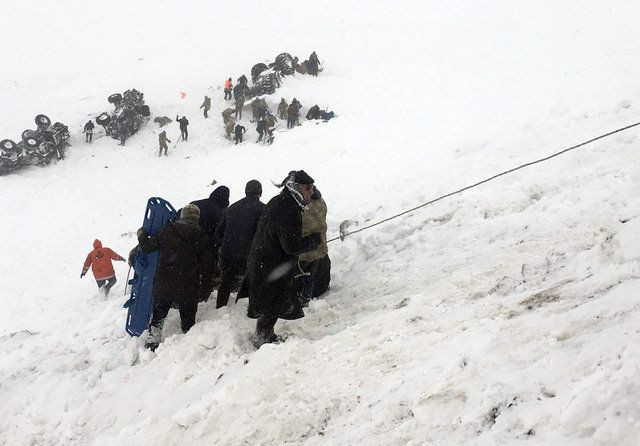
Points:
x=187 y=309
x=109 y=283
x=206 y=110
x=306 y=282
x=264 y=326
x=230 y=272
x=227 y=94
x=89 y=136
x=163 y=147
x=184 y=133
x=238 y=138
x=291 y=122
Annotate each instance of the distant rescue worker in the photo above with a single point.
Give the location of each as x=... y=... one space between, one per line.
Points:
x=313 y=64
x=88 y=130
x=282 y=109
x=229 y=127
x=261 y=129
x=184 y=123
x=238 y=107
x=292 y=115
x=227 y=114
x=206 y=105
x=235 y=233
x=239 y=131
x=298 y=106
x=100 y=262
x=228 y=87
x=163 y=140
x=255 y=107
x=184 y=270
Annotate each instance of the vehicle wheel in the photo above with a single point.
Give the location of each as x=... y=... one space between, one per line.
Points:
x=103 y=119
x=31 y=139
x=8 y=146
x=43 y=121
x=115 y=98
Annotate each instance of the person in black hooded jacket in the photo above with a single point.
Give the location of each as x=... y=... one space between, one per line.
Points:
x=211 y=211
x=272 y=257
x=235 y=233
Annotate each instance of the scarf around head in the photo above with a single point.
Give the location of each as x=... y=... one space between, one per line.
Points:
x=293 y=187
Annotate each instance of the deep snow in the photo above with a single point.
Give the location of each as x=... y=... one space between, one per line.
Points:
x=505 y=315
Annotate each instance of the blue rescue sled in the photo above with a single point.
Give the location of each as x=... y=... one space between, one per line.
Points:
x=158 y=214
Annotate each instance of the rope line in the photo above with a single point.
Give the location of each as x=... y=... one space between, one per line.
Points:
x=471 y=186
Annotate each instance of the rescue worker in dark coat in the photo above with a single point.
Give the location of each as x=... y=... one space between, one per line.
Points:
x=183 y=272
x=312 y=64
x=272 y=257
x=261 y=129
x=239 y=131
x=235 y=233
x=184 y=122
x=292 y=115
x=88 y=130
x=211 y=212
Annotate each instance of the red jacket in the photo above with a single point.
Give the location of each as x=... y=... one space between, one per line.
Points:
x=100 y=261
x=227 y=84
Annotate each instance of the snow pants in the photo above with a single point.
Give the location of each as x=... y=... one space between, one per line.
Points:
x=88 y=136
x=111 y=281
x=303 y=285
x=264 y=327
x=161 y=307
x=184 y=133
x=230 y=272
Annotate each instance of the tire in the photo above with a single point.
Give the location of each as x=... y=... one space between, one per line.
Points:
x=31 y=139
x=43 y=121
x=103 y=119
x=115 y=98
x=29 y=134
x=6 y=145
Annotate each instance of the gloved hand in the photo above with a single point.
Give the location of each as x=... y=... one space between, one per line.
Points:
x=82 y=275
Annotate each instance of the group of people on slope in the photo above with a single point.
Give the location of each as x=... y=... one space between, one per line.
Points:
x=269 y=253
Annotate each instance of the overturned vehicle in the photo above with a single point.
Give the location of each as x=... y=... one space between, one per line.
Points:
x=129 y=114
x=37 y=148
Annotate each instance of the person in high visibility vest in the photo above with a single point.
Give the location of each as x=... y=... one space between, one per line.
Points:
x=228 y=87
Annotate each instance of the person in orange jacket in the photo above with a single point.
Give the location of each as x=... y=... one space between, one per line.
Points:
x=227 y=89
x=100 y=261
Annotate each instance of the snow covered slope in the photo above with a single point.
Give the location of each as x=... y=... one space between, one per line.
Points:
x=505 y=315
